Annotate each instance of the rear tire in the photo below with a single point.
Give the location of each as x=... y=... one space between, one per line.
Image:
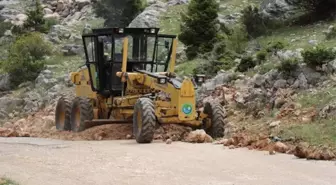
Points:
x=217 y=116
x=81 y=111
x=62 y=114
x=144 y=120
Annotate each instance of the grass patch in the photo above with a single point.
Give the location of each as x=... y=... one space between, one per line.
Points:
x=6 y=181
x=65 y=64
x=187 y=68
x=170 y=21
x=322 y=132
x=299 y=36
x=318 y=98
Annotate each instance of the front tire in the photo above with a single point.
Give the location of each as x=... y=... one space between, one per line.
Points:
x=144 y=120
x=62 y=114
x=81 y=111
x=216 y=114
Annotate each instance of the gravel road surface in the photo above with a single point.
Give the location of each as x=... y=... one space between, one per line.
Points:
x=33 y=161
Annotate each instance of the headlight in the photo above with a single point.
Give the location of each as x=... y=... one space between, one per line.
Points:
x=200 y=78
x=162 y=81
x=152 y=30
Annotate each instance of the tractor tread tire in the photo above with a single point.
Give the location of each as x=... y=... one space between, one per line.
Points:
x=146 y=132
x=86 y=113
x=217 y=116
x=64 y=103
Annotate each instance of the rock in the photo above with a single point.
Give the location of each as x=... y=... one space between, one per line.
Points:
x=9 y=104
x=275 y=124
x=149 y=18
x=47 y=11
x=280 y=84
x=128 y=136
x=232 y=147
x=55 y=16
x=19 y=19
x=169 y=141
x=177 y=2
x=280 y=9
x=5 y=82
x=271 y=152
x=280 y=147
x=81 y=3
x=198 y=136
x=301 y=82
x=72 y=49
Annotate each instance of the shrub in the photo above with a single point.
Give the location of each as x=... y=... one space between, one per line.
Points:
x=4 y=26
x=26 y=58
x=246 y=63
x=49 y=23
x=253 y=21
x=35 y=20
x=318 y=55
x=199 y=29
x=331 y=33
x=275 y=46
x=261 y=55
x=288 y=66
x=237 y=40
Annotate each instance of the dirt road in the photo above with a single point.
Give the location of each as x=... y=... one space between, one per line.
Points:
x=32 y=161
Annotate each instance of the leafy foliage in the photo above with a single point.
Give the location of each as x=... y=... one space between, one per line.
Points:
x=331 y=33
x=288 y=65
x=237 y=40
x=253 y=21
x=4 y=26
x=261 y=55
x=246 y=63
x=273 y=47
x=118 y=13
x=318 y=55
x=199 y=27
x=35 y=20
x=26 y=58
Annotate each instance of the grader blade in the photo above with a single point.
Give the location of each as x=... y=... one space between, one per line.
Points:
x=98 y=122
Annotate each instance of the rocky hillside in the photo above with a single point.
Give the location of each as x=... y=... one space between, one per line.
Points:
x=271 y=92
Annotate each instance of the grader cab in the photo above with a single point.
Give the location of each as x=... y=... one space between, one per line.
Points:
x=129 y=78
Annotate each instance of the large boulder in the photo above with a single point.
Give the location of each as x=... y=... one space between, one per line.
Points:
x=4 y=82
x=150 y=17
x=280 y=9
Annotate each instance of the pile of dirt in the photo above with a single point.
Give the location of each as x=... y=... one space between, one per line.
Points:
x=42 y=125
x=264 y=143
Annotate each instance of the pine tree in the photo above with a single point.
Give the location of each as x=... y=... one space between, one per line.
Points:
x=199 y=28
x=35 y=18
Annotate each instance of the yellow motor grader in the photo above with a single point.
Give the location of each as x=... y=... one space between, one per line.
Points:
x=129 y=78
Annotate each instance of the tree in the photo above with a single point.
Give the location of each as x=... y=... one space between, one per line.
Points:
x=118 y=13
x=199 y=27
x=35 y=18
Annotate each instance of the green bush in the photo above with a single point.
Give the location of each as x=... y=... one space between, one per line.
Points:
x=261 y=55
x=246 y=63
x=237 y=40
x=35 y=20
x=275 y=46
x=26 y=58
x=318 y=55
x=331 y=34
x=199 y=29
x=4 y=26
x=255 y=23
x=288 y=66
x=49 y=23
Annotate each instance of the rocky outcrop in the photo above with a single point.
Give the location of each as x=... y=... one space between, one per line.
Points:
x=150 y=16
x=280 y=9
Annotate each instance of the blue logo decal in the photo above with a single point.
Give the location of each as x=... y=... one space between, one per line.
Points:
x=187 y=109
